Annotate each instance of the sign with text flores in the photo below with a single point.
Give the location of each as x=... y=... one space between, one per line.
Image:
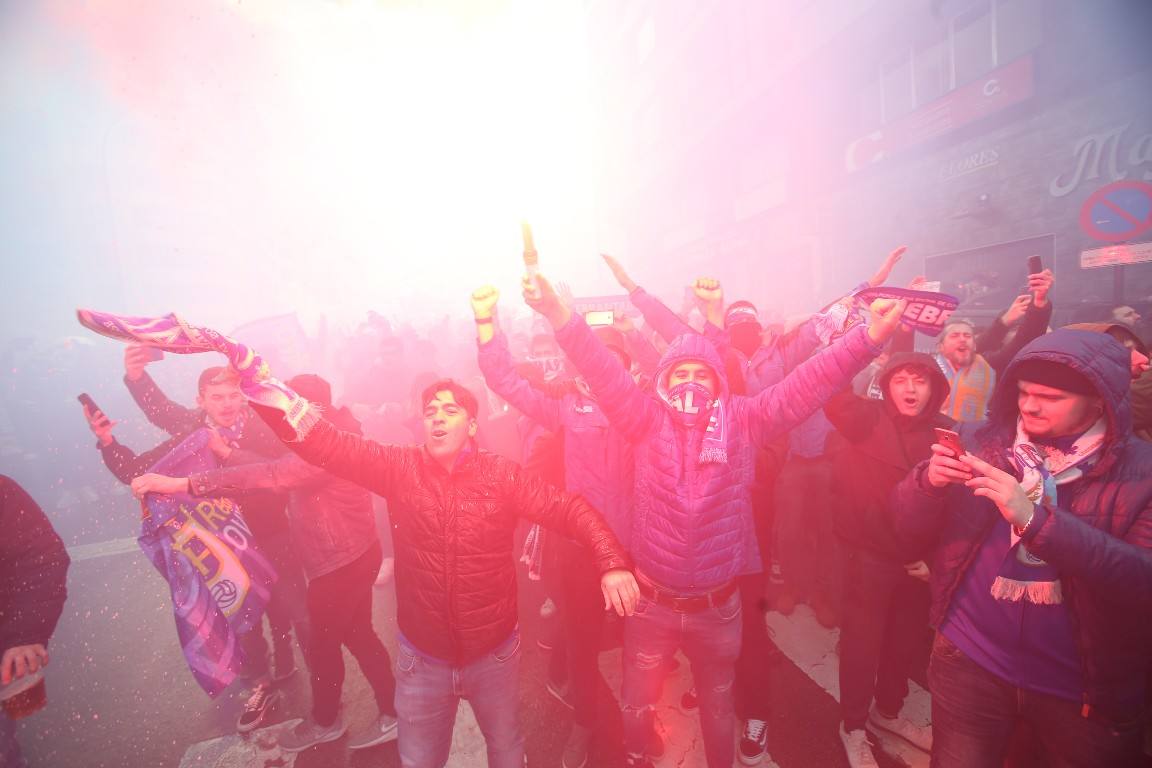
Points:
x=1115 y=255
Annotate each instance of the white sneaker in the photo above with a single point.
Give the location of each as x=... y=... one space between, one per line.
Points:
x=857 y=749
x=382 y=730
x=919 y=736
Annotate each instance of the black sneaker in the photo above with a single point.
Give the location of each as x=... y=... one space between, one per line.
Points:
x=259 y=705
x=638 y=761
x=688 y=702
x=753 y=742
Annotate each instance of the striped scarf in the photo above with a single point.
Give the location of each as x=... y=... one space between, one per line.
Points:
x=1023 y=576
x=171 y=334
x=971 y=389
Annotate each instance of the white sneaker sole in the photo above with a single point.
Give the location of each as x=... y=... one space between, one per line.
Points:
x=383 y=738
x=881 y=730
x=323 y=740
x=752 y=760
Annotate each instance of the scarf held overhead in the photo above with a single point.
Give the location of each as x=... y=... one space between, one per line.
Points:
x=171 y=334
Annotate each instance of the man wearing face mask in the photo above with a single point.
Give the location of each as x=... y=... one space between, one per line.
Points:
x=885 y=597
x=692 y=534
x=1042 y=563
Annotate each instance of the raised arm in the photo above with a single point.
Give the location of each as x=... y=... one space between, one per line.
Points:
x=658 y=315
x=629 y=409
x=644 y=353
x=499 y=372
x=779 y=408
x=371 y=465
x=171 y=417
x=124 y=463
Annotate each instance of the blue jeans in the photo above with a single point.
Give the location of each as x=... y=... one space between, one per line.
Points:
x=974 y=714
x=428 y=692
x=711 y=641
x=10 y=755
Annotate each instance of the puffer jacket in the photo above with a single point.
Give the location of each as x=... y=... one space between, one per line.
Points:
x=1099 y=539
x=692 y=528
x=452 y=531
x=33 y=570
x=598 y=461
x=330 y=519
x=882 y=448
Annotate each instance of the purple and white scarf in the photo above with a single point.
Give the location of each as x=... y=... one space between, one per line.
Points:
x=171 y=334
x=1023 y=576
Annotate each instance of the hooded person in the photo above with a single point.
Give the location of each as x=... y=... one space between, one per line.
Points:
x=1041 y=564
x=692 y=530
x=597 y=463
x=1141 y=393
x=885 y=599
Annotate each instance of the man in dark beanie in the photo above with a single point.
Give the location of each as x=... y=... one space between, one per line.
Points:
x=1041 y=572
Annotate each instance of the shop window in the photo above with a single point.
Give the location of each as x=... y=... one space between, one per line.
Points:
x=972 y=49
x=1018 y=28
x=898 y=96
x=931 y=69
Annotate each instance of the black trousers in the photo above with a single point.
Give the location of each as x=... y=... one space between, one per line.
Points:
x=884 y=621
x=340 y=610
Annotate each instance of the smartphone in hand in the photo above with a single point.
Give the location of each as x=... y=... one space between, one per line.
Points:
x=1034 y=266
x=87 y=401
x=950 y=440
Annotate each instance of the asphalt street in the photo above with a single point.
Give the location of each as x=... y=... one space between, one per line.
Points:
x=120 y=693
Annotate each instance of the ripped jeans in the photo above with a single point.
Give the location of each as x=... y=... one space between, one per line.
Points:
x=711 y=641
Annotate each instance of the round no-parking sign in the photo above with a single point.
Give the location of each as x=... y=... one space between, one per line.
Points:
x=1118 y=212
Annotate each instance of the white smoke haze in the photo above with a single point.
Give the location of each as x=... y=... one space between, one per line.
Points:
x=231 y=160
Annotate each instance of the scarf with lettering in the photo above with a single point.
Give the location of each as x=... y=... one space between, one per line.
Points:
x=695 y=404
x=219 y=581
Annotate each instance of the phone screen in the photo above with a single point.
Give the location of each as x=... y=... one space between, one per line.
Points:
x=599 y=317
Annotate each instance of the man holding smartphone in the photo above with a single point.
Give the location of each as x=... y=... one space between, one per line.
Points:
x=1042 y=563
x=972 y=363
x=220 y=404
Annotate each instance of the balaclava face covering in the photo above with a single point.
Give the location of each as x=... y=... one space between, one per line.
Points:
x=745 y=337
x=692 y=401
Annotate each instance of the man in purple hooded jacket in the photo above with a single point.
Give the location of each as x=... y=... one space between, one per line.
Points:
x=692 y=530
